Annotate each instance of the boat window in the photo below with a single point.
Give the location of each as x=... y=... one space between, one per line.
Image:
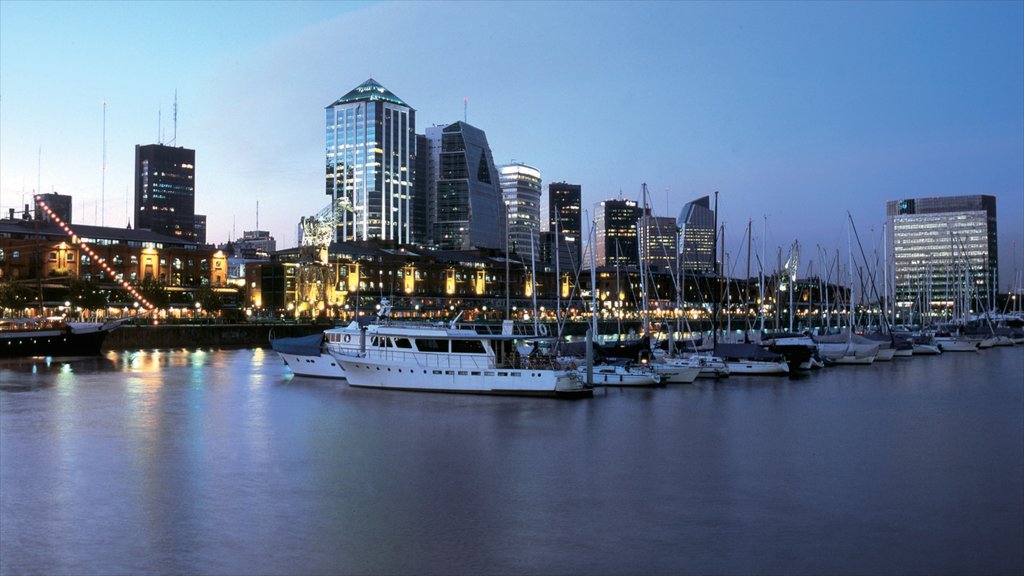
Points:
x=402 y=343
x=467 y=346
x=428 y=345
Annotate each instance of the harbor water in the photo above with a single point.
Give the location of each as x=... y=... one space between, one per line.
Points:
x=222 y=462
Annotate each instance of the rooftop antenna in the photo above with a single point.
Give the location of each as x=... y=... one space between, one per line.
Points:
x=159 y=124
x=465 y=109
x=39 y=171
x=257 y=214
x=103 y=177
x=175 y=141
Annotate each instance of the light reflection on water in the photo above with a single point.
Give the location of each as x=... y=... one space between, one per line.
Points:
x=222 y=462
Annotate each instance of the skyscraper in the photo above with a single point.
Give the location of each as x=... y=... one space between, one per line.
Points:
x=942 y=245
x=470 y=209
x=615 y=227
x=521 y=188
x=371 y=150
x=697 y=240
x=165 y=193
x=659 y=241
x=565 y=217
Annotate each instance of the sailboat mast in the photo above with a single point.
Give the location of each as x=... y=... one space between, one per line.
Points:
x=764 y=241
x=645 y=226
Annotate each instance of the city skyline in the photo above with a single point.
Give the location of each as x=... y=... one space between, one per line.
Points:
x=796 y=112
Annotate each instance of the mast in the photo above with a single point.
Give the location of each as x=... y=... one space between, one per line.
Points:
x=644 y=224
x=718 y=279
x=558 y=280
x=746 y=290
x=764 y=241
x=533 y=280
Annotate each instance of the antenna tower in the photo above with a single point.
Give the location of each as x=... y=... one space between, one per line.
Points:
x=175 y=141
x=103 y=177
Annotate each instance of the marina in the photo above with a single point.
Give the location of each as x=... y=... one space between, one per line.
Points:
x=223 y=462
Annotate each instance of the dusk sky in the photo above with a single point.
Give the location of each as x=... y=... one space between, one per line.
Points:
x=798 y=112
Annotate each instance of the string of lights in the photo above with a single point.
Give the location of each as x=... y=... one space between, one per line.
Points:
x=92 y=254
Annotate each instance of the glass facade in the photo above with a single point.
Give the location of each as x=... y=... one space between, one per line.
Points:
x=565 y=203
x=697 y=241
x=470 y=210
x=370 y=164
x=165 y=198
x=944 y=252
x=615 y=224
x=521 y=188
x=658 y=240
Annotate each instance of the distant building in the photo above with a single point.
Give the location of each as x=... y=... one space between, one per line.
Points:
x=165 y=193
x=565 y=216
x=697 y=238
x=615 y=228
x=470 y=213
x=521 y=188
x=60 y=205
x=424 y=186
x=200 y=228
x=254 y=244
x=371 y=151
x=941 y=245
x=659 y=241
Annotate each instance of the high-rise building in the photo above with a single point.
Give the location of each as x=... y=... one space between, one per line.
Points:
x=697 y=239
x=659 y=241
x=615 y=228
x=941 y=245
x=165 y=190
x=521 y=188
x=428 y=171
x=565 y=217
x=371 y=151
x=470 y=210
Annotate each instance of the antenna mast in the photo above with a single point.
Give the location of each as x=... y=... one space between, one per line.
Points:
x=175 y=141
x=465 y=109
x=103 y=177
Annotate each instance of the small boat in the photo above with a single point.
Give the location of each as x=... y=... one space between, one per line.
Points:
x=676 y=371
x=308 y=356
x=611 y=375
x=24 y=338
x=710 y=366
x=751 y=359
x=957 y=343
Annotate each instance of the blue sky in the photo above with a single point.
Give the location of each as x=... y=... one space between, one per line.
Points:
x=795 y=111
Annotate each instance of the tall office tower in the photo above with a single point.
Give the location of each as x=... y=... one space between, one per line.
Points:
x=659 y=242
x=615 y=226
x=200 y=228
x=521 y=188
x=371 y=151
x=470 y=209
x=424 y=187
x=941 y=245
x=697 y=239
x=165 y=190
x=565 y=205
x=60 y=205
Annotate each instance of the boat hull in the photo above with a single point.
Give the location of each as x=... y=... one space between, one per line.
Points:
x=758 y=368
x=320 y=366
x=54 y=343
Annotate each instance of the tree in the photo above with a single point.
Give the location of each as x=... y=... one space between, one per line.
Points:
x=209 y=299
x=155 y=292
x=15 y=296
x=86 y=294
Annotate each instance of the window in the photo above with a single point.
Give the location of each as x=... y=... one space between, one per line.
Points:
x=53 y=256
x=85 y=260
x=15 y=255
x=134 y=259
x=467 y=346
x=71 y=257
x=402 y=343
x=426 y=345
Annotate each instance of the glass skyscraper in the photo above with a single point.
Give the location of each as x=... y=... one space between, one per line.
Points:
x=521 y=188
x=565 y=203
x=697 y=241
x=615 y=227
x=165 y=191
x=470 y=210
x=371 y=151
x=941 y=245
x=659 y=241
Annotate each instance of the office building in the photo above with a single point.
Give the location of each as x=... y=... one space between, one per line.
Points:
x=940 y=245
x=165 y=192
x=60 y=205
x=659 y=241
x=565 y=217
x=470 y=212
x=615 y=226
x=696 y=223
x=521 y=188
x=370 y=153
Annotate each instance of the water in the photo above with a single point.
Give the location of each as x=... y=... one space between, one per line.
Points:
x=221 y=462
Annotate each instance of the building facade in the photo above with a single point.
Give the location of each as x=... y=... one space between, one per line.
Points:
x=165 y=191
x=945 y=252
x=60 y=205
x=565 y=216
x=521 y=189
x=470 y=212
x=615 y=227
x=659 y=241
x=370 y=163
x=696 y=223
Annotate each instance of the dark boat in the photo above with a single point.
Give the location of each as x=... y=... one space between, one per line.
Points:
x=55 y=338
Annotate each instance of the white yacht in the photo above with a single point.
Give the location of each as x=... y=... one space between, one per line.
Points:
x=676 y=370
x=438 y=358
x=308 y=356
x=611 y=375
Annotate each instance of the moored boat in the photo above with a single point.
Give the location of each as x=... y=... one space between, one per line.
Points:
x=308 y=356
x=23 y=338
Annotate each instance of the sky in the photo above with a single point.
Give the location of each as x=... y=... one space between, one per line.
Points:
x=796 y=113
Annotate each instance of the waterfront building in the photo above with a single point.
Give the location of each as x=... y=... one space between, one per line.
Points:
x=659 y=240
x=940 y=246
x=565 y=215
x=60 y=205
x=165 y=193
x=253 y=244
x=697 y=237
x=615 y=226
x=521 y=189
x=470 y=212
x=370 y=160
